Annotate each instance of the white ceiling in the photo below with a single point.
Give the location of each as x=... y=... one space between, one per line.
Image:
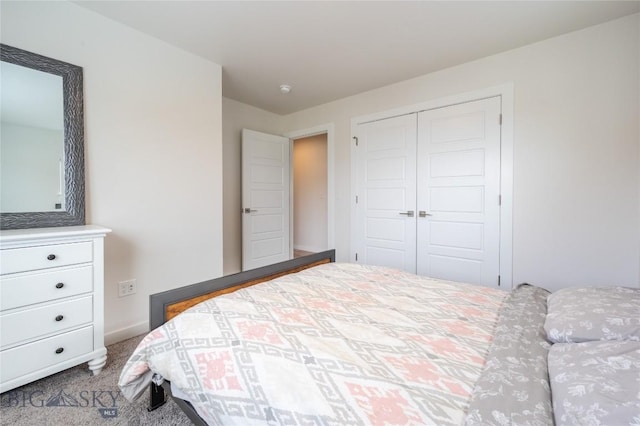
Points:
x=329 y=50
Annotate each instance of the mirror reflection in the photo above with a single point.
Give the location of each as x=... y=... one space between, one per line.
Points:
x=31 y=140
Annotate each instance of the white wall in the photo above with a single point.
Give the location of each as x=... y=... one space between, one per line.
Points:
x=576 y=161
x=310 y=193
x=153 y=150
x=237 y=116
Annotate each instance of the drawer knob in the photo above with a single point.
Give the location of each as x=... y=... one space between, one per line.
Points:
x=59 y=318
x=51 y=256
x=59 y=285
x=59 y=350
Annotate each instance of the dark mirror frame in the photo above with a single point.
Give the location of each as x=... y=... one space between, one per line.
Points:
x=73 y=143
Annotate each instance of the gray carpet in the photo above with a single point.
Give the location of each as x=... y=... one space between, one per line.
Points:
x=75 y=397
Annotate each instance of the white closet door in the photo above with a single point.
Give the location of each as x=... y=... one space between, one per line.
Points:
x=458 y=224
x=386 y=182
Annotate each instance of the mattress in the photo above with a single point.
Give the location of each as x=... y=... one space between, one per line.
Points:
x=347 y=344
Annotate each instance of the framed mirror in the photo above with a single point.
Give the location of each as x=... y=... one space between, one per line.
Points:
x=41 y=141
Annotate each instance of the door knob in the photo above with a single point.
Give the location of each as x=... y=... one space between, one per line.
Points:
x=248 y=210
x=407 y=213
x=422 y=213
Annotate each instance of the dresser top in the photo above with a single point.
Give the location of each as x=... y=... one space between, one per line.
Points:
x=20 y=235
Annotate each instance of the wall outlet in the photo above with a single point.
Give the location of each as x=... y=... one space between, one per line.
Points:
x=126 y=288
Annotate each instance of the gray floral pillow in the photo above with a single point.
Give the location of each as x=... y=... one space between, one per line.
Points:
x=595 y=383
x=577 y=315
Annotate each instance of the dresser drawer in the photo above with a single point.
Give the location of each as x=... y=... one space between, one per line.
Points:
x=28 y=289
x=43 y=353
x=28 y=324
x=46 y=256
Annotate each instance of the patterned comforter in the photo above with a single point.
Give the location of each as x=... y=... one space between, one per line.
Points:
x=335 y=344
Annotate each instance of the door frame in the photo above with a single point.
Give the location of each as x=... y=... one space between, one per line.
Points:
x=506 y=92
x=329 y=130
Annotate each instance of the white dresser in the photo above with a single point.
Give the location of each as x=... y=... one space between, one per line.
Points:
x=51 y=302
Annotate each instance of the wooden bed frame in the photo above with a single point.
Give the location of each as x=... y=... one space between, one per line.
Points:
x=166 y=305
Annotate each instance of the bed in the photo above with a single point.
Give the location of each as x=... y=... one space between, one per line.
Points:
x=311 y=341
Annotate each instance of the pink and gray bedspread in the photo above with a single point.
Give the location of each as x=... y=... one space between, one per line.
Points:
x=352 y=344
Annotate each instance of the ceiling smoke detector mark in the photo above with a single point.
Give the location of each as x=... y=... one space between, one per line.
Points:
x=285 y=88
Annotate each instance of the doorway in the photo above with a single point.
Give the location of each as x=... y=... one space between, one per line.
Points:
x=267 y=196
x=310 y=198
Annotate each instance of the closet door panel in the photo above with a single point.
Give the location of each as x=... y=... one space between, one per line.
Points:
x=461 y=163
x=456 y=235
x=458 y=188
x=456 y=199
x=386 y=188
x=455 y=268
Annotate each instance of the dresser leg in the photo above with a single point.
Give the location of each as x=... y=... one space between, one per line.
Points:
x=96 y=364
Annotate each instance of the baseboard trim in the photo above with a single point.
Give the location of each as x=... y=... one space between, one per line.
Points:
x=309 y=249
x=126 y=333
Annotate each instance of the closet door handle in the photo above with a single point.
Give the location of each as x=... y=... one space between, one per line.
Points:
x=422 y=213
x=248 y=210
x=407 y=213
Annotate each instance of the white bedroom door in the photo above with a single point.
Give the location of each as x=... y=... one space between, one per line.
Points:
x=386 y=202
x=266 y=187
x=458 y=192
